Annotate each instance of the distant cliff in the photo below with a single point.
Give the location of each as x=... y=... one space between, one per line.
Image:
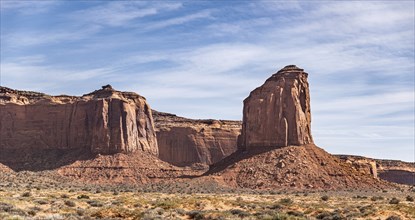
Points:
x=184 y=141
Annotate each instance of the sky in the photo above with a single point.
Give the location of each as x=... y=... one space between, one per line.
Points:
x=200 y=59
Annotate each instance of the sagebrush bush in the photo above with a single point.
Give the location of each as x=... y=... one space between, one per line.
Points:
x=70 y=203
x=27 y=194
x=83 y=196
x=325 y=198
x=394 y=201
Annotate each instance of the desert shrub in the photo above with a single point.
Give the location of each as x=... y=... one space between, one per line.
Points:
x=83 y=196
x=115 y=193
x=367 y=210
x=95 y=203
x=27 y=194
x=286 y=201
x=325 y=198
x=64 y=196
x=239 y=212
x=281 y=216
x=165 y=204
x=70 y=203
x=275 y=206
x=409 y=198
x=32 y=212
x=394 y=201
x=295 y=213
x=80 y=211
x=393 y=217
x=376 y=198
x=41 y=202
x=323 y=215
x=195 y=214
x=180 y=211
x=4 y=207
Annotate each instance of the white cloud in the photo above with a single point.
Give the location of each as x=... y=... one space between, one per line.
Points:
x=121 y=13
x=27 y=7
x=34 y=38
x=180 y=20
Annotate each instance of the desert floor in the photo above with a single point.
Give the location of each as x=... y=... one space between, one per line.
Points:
x=26 y=195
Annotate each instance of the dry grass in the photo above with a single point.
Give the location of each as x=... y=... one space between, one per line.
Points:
x=37 y=196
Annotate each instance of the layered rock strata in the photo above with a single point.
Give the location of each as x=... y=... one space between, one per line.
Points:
x=105 y=121
x=184 y=141
x=277 y=113
x=276 y=150
x=390 y=170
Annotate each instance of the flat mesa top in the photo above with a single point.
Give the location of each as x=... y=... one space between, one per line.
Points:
x=8 y=95
x=290 y=71
x=291 y=68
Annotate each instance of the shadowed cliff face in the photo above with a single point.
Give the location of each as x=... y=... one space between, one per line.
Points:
x=184 y=141
x=278 y=114
x=102 y=122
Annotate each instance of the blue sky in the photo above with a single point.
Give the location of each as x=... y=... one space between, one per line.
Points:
x=200 y=59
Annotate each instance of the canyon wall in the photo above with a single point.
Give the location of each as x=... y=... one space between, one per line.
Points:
x=184 y=141
x=105 y=121
x=277 y=113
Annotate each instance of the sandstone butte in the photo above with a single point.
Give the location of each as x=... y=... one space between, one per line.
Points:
x=278 y=113
x=276 y=149
x=105 y=121
x=109 y=136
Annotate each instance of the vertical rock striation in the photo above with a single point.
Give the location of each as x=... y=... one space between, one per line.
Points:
x=105 y=121
x=184 y=141
x=278 y=113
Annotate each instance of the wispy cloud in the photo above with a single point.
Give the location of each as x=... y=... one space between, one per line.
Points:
x=180 y=20
x=36 y=38
x=27 y=7
x=121 y=13
x=194 y=58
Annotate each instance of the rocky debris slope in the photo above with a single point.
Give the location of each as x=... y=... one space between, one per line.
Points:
x=136 y=168
x=390 y=170
x=5 y=169
x=304 y=167
x=277 y=113
x=276 y=148
x=184 y=141
x=105 y=121
x=362 y=164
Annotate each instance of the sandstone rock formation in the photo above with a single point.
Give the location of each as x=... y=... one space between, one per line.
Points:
x=361 y=164
x=390 y=170
x=276 y=150
x=135 y=168
x=305 y=167
x=105 y=121
x=184 y=141
x=396 y=171
x=277 y=113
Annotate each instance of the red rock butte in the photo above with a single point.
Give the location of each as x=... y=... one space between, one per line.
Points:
x=277 y=114
x=105 y=121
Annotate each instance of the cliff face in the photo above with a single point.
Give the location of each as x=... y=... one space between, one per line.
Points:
x=390 y=170
x=276 y=150
x=361 y=164
x=183 y=141
x=278 y=114
x=104 y=121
